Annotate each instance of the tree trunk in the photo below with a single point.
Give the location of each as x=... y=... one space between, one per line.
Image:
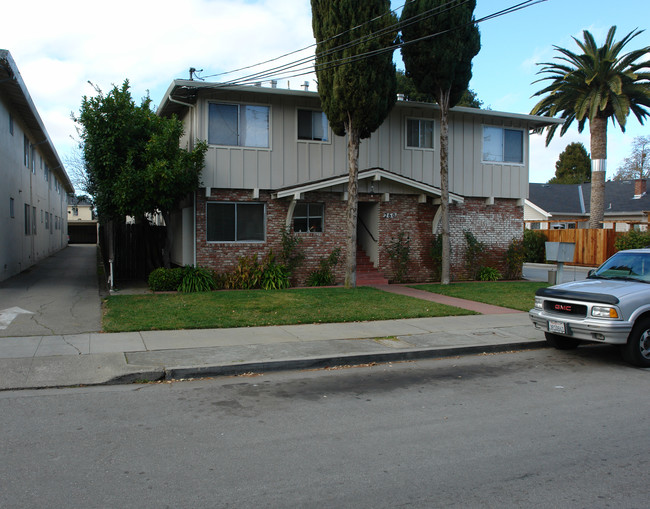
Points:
x=598 y=130
x=443 y=102
x=351 y=216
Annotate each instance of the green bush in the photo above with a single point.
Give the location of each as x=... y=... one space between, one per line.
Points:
x=196 y=279
x=165 y=280
x=399 y=252
x=632 y=240
x=515 y=256
x=436 y=256
x=534 y=246
x=291 y=256
x=275 y=276
x=488 y=274
x=324 y=276
x=473 y=254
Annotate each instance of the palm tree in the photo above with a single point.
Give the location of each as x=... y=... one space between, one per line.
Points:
x=596 y=85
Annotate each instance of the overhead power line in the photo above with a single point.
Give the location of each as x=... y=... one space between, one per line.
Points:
x=305 y=66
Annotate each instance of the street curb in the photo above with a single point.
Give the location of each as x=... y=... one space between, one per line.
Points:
x=257 y=367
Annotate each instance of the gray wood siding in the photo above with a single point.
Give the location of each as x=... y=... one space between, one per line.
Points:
x=289 y=161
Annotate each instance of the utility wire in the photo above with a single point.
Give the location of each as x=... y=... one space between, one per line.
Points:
x=294 y=67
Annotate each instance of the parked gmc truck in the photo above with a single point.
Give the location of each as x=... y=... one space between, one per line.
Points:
x=611 y=306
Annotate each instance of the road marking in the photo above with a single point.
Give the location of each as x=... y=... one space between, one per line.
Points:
x=8 y=315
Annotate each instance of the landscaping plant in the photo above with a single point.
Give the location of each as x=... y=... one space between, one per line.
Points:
x=324 y=275
x=399 y=251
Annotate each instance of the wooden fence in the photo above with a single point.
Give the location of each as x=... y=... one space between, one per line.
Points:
x=593 y=247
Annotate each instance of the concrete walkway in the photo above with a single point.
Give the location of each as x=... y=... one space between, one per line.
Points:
x=38 y=349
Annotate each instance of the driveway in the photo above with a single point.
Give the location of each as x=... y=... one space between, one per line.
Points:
x=58 y=295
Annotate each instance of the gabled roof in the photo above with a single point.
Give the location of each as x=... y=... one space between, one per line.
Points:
x=14 y=89
x=574 y=199
x=372 y=173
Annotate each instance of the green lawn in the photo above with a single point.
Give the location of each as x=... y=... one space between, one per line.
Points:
x=248 y=308
x=510 y=294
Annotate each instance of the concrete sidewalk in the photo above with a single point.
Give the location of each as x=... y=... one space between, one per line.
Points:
x=96 y=358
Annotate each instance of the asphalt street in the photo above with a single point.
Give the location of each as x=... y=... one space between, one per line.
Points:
x=535 y=429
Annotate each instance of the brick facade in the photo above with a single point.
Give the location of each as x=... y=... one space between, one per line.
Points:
x=495 y=225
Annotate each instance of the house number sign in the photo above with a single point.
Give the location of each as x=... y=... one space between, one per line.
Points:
x=390 y=215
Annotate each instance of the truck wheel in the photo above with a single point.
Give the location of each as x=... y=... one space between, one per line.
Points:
x=637 y=349
x=561 y=342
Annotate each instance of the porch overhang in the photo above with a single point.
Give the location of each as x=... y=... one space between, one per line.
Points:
x=375 y=174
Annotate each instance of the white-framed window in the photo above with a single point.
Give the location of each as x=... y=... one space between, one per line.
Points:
x=239 y=125
x=75 y=211
x=502 y=145
x=47 y=221
x=419 y=133
x=308 y=217
x=312 y=125
x=12 y=211
x=34 y=221
x=235 y=222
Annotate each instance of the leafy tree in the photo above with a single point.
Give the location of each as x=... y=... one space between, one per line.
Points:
x=637 y=166
x=406 y=87
x=134 y=163
x=596 y=85
x=356 y=83
x=573 y=166
x=441 y=66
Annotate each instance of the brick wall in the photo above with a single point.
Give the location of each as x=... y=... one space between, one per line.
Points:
x=495 y=225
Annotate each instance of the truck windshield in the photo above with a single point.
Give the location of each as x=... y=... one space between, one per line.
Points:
x=625 y=265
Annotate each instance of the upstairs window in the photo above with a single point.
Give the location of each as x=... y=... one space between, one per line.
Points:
x=503 y=145
x=26 y=150
x=235 y=222
x=419 y=133
x=312 y=125
x=308 y=217
x=238 y=125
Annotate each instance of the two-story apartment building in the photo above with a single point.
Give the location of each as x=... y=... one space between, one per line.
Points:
x=33 y=194
x=273 y=162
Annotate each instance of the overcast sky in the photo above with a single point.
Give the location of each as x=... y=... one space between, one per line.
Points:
x=60 y=46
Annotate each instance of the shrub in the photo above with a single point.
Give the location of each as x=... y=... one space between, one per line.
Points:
x=632 y=240
x=534 y=246
x=165 y=280
x=196 y=279
x=247 y=275
x=399 y=251
x=324 y=276
x=488 y=274
x=473 y=254
x=436 y=257
x=275 y=276
x=291 y=255
x=515 y=256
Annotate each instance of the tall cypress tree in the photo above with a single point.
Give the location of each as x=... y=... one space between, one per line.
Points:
x=440 y=64
x=357 y=86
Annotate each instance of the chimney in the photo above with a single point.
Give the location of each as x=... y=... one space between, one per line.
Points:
x=305 y=85
x=639 y=187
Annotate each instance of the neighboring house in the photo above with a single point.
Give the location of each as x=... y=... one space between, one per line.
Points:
x=33 y=195
x=562 y=206
x=82 y=224
x=273 y=162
